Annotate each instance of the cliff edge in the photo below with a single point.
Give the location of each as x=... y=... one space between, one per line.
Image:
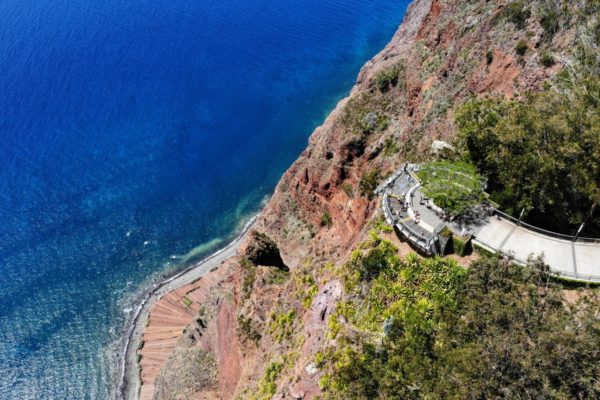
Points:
x=256 y=330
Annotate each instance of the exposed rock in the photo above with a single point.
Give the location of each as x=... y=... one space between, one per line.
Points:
x=262 y=250
x=444 y=48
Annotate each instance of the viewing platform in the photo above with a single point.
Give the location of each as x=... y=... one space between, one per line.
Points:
x=425 y=226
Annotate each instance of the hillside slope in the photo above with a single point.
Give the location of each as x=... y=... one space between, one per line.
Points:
x=263 y=328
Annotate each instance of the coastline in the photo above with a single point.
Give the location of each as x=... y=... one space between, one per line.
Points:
x=128 y=382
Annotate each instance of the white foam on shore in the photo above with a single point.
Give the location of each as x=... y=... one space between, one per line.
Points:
x=121 y=353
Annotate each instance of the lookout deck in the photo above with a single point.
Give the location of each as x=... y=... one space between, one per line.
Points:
x=418 y=220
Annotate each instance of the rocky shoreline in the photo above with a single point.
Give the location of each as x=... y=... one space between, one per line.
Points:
x=128 y=378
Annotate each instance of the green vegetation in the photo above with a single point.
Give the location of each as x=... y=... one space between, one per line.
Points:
x=516 y=12
x=456 y=245
x=550 y=19
x=281 y=326
x=363 y=115
x=390 y=77
x=186 y=301
x=429 y=329
x=347 y=188
x=541 y=153
x=454 y=186
x=275 y=276
x=305 y=286
x=268 y=384
x=249 y=276
x=547 y=59
x=369 y=182
x=390 y=147
x=326 y=220
x=489 y=57
x=248 y=329
x=521 y=47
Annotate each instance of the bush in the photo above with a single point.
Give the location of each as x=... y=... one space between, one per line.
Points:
x=247 y=329
x=326 y=220
x=186 y=301
x=364 y=115
x=282 y=325
x=390 y=147
x=539 y=154
x=276 y=276
x=268 y=385
x=550 y=21
x=347 y=188
x=547 y=60
x=369 y=182
x=517 y=13
x=521 y=47
x=489 y=57
x=389 y=78
x=461 y=247
x=249 y=276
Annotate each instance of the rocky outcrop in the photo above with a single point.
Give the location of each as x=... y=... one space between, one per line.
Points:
x=267 y=319
x=262 y=250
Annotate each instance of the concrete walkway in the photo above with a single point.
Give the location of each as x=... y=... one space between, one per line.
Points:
x=579 y=260
x=574 y=260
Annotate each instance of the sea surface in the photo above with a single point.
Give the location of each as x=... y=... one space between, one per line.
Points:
x=135 y=137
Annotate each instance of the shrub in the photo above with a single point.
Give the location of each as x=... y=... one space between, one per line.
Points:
x=347 y=188
x=247 y=329
x=545 y=132
x=521 y=47
x=547 y=60
x=489 y=57
x=282 y=325
x=461 y=247
x=186 y=301
x=326 y=220
x=305 y=287
x=369 y=182
x=389 y=78
x=550 y=21
x=517 y=13
x=364 y=115
x=268 y=385
x=249 y=276
x=482 y=333
x=277 y=277
x=390 y=147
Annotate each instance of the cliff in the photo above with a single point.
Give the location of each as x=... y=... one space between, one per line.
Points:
x=256 y=330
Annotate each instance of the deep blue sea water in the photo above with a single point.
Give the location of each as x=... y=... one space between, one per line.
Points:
x=132 y=132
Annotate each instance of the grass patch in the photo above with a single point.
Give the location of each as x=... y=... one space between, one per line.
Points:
x=186 y=301
x=454 y=186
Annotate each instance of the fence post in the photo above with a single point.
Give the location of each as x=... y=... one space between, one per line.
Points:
x=521 y=217
x=578 y=232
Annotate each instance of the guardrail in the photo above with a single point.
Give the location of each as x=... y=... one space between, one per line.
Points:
x=559 y=274
x=544 y=231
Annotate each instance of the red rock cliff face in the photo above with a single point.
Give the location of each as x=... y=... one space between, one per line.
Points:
x=445 y=52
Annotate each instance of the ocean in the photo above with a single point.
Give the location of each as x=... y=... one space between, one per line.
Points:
x=135 y=137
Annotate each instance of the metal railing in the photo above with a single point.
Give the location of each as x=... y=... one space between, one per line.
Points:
x=559 y=274
x=545 y=232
